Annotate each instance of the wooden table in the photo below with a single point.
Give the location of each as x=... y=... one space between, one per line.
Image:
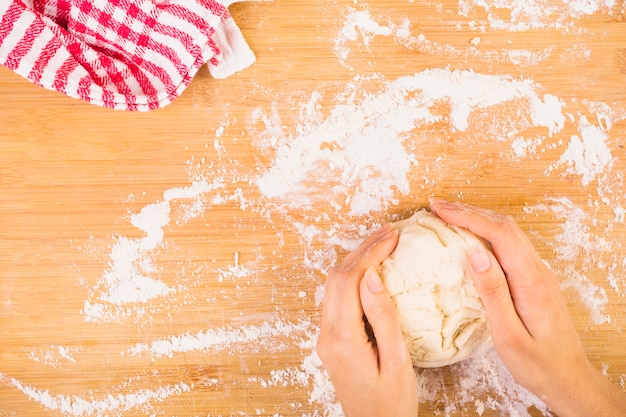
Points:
x=144 y=271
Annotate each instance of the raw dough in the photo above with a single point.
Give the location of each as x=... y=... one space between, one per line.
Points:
x=443 y=319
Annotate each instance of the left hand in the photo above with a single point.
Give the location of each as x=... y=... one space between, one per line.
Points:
x=370 y=378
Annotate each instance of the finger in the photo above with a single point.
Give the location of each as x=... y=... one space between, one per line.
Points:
x=342 y=305
x=382 y=315
x=354 y=260
x=531 y=284
x=511 y=246
x=493 y=289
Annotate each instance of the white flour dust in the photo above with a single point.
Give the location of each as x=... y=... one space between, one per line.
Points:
x=337 y=143
x=358 y=158
x=341 y=140
x=53 y=355
x=587 y=155
x=221 y=339
x=523 y=15
x=339 y=149
x=576 y=244
x=128 y=283
x=360 y=28
x=480 y=383
x=102 y=404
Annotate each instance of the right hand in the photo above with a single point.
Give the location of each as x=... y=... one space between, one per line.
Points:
x=530 y=324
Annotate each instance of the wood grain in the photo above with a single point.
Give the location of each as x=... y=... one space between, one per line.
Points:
x=72 y=174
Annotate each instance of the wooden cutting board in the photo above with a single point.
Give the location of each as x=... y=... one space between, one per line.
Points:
x=144 y=269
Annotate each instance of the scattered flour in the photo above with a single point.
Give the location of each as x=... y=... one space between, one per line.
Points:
x=128 y=280
x=53 y=355
x=587 y=155
x=358 y=24
x=594 y=297
x=361 y=28
x=576 y=244
x=480 y=383
x=523 y=15
x=106 y=404
x=334 y=146
x=329 y=158
x=263 y=335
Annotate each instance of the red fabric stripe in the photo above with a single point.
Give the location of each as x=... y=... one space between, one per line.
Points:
x=42 y=61
x=216 y=8
x=84 y=87
x=63 y=13
x=143 y=42
x=111 y=52
x=62 y=74
x=39 y=6
x=199 y=22
x=108 y=99
x=171 y=31
x=24 y=45
x=9 y=18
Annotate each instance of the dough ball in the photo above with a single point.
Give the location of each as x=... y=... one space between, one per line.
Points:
x=443 y=319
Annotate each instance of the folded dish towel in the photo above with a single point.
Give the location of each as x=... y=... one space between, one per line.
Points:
x=122 y=54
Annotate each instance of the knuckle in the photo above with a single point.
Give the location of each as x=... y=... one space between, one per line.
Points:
x=493 y=291
x=513 y=342
x=339 y=275
x=321 y=347
x=335 y=271
x=507 y=223
x=386 y=312
x=330 y=348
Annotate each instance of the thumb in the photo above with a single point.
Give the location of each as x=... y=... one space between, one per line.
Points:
x=493 y=289
x=382 y=315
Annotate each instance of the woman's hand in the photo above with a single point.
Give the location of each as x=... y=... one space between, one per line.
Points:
x=530 y=325
x=371 y=378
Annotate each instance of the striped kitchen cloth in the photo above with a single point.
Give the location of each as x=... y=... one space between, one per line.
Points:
x=121 y=54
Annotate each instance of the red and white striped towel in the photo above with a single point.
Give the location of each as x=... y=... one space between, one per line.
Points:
x=122 y=54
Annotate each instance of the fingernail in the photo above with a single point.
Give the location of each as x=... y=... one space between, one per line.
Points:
x=385 y=232
x=373 y=281
x=436 y=204
x=382 y=231
x=433 y=201
x=390 y=233
x=480 y=260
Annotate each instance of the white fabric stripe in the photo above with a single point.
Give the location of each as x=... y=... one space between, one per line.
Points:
x=184 y=56
x=183 y=25
x=198 y=37
x=51 y=9
x=160 y=60
x=100 y=4
x=156 y=82
x=133 y=85
x=21 y=26
x=200 y=10
x=28 y=61
x=95 y=94
x=147 y=7
x=73 y=80
x=49 y=71
x=4 y=6
x=236 y=54
x=119 y=15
